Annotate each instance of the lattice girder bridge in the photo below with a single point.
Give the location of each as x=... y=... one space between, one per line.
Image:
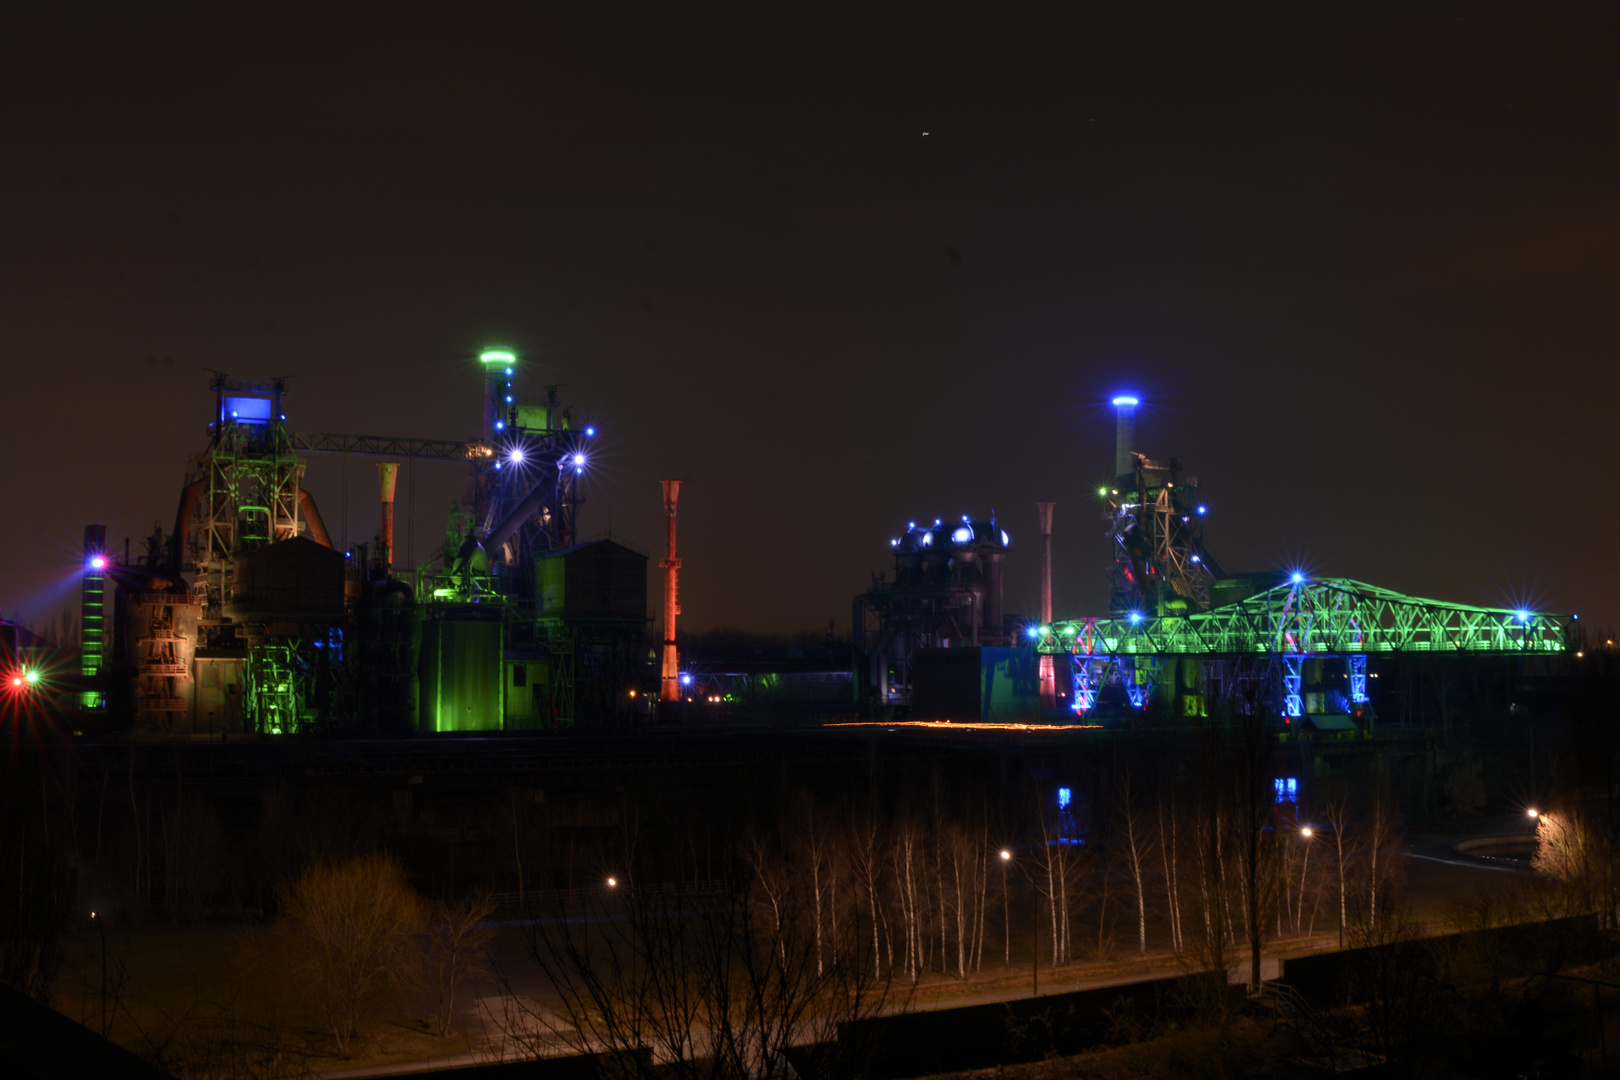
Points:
x=1299 y=619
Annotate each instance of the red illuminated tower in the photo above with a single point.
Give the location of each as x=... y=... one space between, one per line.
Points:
x=669 y=686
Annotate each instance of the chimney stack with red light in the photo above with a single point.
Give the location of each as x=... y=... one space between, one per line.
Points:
x=669 y=685
x=387 y=473
x=1048 y=671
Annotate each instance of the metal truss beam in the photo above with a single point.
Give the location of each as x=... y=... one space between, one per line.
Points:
x=385 y=446
x=1315 y=616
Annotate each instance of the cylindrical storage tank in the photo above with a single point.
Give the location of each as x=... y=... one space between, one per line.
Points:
x=498 y=365
x=461 y=684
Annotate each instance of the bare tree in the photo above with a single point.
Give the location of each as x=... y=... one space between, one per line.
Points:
x=458 y=950
x=354 y=931
x=1136 y=838
x=1168 y=851
x=1336 y=813
x=1381 y=844
x=661 y=986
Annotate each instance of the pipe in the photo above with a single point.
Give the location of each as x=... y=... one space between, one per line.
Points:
x=387 y=473
x=312 y=517
x=499 y=535
x=669 y=686
x=1124 y=436
x=182 y=521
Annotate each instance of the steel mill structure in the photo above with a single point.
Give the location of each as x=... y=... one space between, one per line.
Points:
x=946 y=593
x=1183 y=633
x=246 y=618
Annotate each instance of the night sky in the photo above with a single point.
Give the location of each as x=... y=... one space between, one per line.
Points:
x=836 y=271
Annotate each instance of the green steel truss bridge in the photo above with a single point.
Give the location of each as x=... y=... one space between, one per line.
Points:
x=1299 y=619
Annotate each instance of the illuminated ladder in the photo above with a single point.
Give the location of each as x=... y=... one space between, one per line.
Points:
x=92 y=604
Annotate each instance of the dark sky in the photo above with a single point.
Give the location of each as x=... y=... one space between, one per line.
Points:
x=1361 y=265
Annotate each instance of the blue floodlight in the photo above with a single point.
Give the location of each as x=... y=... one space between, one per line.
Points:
x=1064 y=797
x=1298 y=577
x=1203 y=509
x=1125 y=400
x=686 y=680
x=590 y=431
x=516 y=456
x=579 y=459
x=1034 y=633
x=1136 y=616
x=1522 y=615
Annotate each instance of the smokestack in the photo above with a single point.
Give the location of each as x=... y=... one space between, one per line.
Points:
x=498 y=365
x=669 y=686
x=1124 y=436
x=1048 y=670
x=387 y=472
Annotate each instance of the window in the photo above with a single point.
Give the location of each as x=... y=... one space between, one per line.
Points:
x=520 y=675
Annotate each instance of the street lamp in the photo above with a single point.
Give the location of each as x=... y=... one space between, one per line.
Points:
x=1305 y=867
x=613 y=883
x=1006 y=914
x=1034 y=923
x=1533 y=813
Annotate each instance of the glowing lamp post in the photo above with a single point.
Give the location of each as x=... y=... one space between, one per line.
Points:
x=1006 y=915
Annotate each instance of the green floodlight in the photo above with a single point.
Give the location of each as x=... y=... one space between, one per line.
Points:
x=32 y=677
x=497 y=356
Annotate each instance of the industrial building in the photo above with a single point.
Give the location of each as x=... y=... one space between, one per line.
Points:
x=946 y=595
x=246 y=619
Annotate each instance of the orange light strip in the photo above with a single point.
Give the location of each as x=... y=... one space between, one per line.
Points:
x=964 y=727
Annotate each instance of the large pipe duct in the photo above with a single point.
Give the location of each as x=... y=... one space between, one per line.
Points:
x=312 y=517
x=387 y=473
x=182 y=522
x=1048 y=670
x=1124 y=436
x=669 y=686
x=501 y=533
